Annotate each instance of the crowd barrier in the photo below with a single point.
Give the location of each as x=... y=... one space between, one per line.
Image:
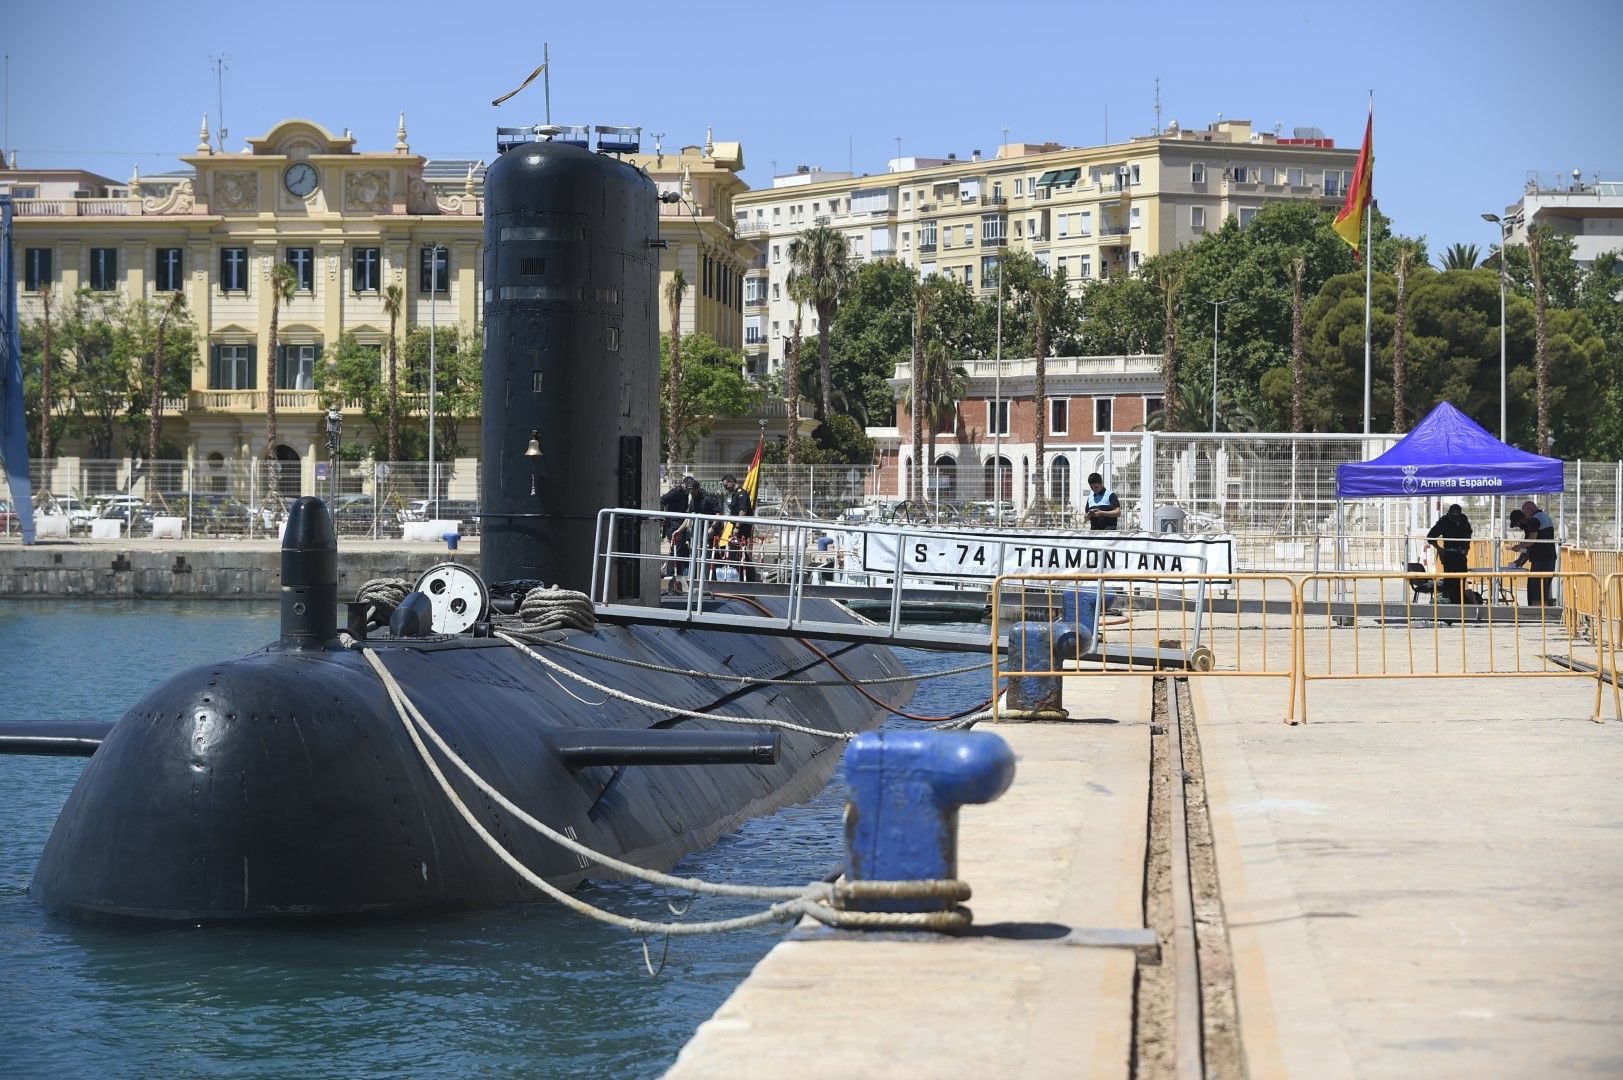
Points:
x=1163 y=624
x=1379 y=626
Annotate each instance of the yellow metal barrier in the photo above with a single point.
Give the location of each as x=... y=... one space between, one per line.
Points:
x=1585 y=606
x=1377 y=629
x=1612 y=631
x=1234 y=625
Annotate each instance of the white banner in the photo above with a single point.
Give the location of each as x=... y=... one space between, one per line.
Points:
x=957 y=555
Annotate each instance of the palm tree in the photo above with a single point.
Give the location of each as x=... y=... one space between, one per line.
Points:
x=284 y=282
x=172 y=309
x=45 y=372
x=675 y=290
x=1298 y=268
x=791 y=378
x=394 y=302
x=915 y=394
x=1541 y=336
x=1400 y=319
x=821 y=258
x=1045 y=294
x=943 y=385
x=1461 y=257
x=1171 y=281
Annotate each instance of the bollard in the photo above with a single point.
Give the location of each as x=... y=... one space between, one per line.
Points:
x=1036 y=646
x=451 y=540
x=901 y=817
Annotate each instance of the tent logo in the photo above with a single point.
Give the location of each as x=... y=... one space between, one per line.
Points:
x=1410 y=483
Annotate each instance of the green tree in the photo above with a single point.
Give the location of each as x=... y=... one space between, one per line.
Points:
x=457 y=368
x=675 y=290
x=1298 y=388
x=1169 y=281
x=820 y=260
x=791 y=371
x=1405 y=267
x=100 y=378
x=394 y=304
x=1541 y=335
x=872 y=335
x=942 y=385
x=172 y=321
x=351 y=374
x=712 y=386
x=1460 y=257
x=1045 y=297
x=47 y=354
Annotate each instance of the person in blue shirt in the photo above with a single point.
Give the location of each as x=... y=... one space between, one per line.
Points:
x=1540 y=531
x=1103 y=509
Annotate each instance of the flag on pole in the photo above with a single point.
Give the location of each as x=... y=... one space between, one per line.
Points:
x=752 y=483
x=1350 y=221
x=530 y=80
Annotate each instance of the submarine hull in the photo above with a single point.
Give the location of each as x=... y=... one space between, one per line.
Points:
x=283 y=785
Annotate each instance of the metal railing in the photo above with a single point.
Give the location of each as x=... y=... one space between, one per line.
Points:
x=1168 y=624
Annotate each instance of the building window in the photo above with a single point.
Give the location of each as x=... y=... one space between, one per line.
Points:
x=166 y=270
x=1332 y=182
x=296 y=367
x=1085 y=266
x=777 y=253
x=1133 y=259
x=1293 y=177
x=1019 y=185
x=234 y=270
x=1266 y=174
x=1242 y=174
x=777 y=291
x=969 y=276
x=1197 y=217
x=1059 y=475
x=36 y=268
x=969 y=236
x=1133 y=217
x=303 y=262
x=435 y=269
x=1197 y=173
x=997 y=417
x=1246 y=214
x=1059 y=416
x=777 y=214
x=231 y=367
x=776 y=333
x=1063 y=262
x=366 y=270
x=103 y=269
x=1101 y=415
x=1152 y=405
x=1135 y=174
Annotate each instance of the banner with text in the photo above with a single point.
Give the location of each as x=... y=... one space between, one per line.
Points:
x=958 y=555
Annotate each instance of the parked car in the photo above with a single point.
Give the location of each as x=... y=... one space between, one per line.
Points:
x=353 y=514
x=76 y=510
x=8 y=519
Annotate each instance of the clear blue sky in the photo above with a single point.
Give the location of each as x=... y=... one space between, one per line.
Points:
x=1469 y=95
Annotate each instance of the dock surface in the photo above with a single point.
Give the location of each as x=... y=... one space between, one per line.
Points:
x=1422 y=882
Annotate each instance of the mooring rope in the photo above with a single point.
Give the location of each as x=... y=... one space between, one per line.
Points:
x=819 y=900
x=556 y=609
x=384 y=594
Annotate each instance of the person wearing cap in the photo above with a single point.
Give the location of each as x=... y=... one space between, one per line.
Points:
x=693 y=500
x=1452 y=538
x=1540 y=530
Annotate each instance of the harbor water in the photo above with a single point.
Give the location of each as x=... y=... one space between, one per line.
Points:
x=532 y=991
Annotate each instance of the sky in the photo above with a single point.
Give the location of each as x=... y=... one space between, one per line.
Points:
x=1469 y=96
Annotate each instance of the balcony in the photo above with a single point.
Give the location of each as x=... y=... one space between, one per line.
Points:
x=287 y=401
x=77 y=207
x=1113 y=230
x=994 y=241
x=755 y=301
x=1042 y=194
x=927 y=248
x=751 y=228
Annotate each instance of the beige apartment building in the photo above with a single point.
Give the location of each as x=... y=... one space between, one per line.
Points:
x=351 y=222
x=1091 y=211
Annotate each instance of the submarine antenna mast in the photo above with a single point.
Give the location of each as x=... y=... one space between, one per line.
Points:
x=546 y=77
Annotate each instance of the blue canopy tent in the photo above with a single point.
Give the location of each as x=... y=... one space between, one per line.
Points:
x=1448 y=453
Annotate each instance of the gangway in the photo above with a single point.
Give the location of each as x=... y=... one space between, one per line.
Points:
x=905 y=563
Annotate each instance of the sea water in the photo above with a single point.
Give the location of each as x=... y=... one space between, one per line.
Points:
x=533 y=991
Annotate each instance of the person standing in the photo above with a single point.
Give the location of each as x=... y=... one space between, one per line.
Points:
x=1452 y=538
x=1102 y=509
x=735 y=502
x=1540 y=553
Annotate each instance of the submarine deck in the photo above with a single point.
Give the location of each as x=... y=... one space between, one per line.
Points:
x=1392 y=906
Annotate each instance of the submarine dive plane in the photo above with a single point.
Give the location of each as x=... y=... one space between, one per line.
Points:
x=284 y=785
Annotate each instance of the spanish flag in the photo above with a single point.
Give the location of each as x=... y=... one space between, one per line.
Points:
x=752 y=483
x=1349 y=224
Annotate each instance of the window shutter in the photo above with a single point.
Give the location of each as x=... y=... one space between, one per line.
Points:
x=216 y=377
x=253 y=368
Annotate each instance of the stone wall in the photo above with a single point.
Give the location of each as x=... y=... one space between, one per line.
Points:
x=241 y=574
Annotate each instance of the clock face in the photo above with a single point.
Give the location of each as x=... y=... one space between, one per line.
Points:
x=300 y=178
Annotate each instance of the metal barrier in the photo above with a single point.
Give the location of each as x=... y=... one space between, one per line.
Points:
x=1612 y=629
x=1585 y=606
x=1376 y=636
x=1169 y=623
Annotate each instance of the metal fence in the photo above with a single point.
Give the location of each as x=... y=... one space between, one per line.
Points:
x=792 y=491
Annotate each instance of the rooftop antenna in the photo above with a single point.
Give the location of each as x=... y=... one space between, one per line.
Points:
x=898 y=153
x=1005 y=140
x=1157 y=106
x=659 y=150
x=5 y=140
x=220 y=69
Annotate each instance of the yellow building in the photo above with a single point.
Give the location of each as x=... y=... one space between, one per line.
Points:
x=351 y=223
x=1092 y=211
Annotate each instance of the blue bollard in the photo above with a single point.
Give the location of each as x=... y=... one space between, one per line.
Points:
x=905 y=788
x=450 y=539
x=1037 y=646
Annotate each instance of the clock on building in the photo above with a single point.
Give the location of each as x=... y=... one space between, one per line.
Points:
x=300 y=178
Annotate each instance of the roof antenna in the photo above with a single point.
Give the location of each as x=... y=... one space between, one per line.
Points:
x=1157 y=106
x=219 y=97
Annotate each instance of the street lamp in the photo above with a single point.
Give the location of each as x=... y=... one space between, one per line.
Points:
x=1505 y=225
x=433 y=318
x=1215 y=305
x=335 y=431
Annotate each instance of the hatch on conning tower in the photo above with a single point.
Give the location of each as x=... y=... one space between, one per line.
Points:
x=571 y=357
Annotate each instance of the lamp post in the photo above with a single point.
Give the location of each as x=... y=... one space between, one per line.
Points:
x=433 y=319
x=335 y=431
x=1504 y=238
x=1215 y=305
x=997 y=407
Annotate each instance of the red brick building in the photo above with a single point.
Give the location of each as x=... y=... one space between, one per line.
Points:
x=1092 y=401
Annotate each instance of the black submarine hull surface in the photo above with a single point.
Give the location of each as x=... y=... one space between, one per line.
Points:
x=283 y=785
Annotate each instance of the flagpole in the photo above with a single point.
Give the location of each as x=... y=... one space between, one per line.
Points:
x=1369 y=266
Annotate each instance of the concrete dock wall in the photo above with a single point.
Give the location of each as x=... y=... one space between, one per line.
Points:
x=229 y=572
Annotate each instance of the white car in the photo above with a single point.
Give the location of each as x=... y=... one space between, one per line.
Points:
x=76 y=510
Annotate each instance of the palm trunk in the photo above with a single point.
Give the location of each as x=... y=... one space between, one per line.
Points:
x=1042 y=408
x=1169 y=360
x=394 y=392
x=272 y=462
x=45 y=377
x=155 y=409
x=916 y=477
x=792 y=377
x=1400 y=316
x=826 y=408
x=1541 y=369
x=1298 y=390
x=674 y=391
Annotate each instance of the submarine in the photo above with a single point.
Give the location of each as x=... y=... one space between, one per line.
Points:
x=287 y=786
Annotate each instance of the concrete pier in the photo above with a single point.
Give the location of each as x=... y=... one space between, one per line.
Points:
x=1422 y=882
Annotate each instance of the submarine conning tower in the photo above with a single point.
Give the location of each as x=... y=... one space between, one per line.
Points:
x=571 y=360
x=309 y=575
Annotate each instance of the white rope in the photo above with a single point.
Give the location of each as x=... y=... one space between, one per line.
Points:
x=810 y=900
x=556 y=609
x=749 y=721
